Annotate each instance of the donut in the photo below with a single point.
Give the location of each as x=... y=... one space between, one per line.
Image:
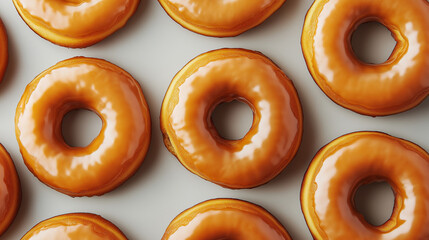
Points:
x=113 y=156
x=75 y=23
x=226 y=219
x=339 y=168
x=10 y=190
x=398 y=84
x=220 y=18
x=75 y=226
x=3 y=50
x=221 y=76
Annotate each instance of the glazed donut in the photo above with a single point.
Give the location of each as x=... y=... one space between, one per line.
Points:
x=10 y=190
x=222 y=76
x=3 y=50
x=350 y=161
x=396 y=85
x=75 y=23
x=220 y=18
x=226 y=219
x=75 y=226
x=113 y=156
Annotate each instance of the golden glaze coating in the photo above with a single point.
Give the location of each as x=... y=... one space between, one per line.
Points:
x=225 y=219
x=10 y=190
x=397 y=85
x=220 y=18
x=75 y=23
x=222 y=76
x=350 y=161
x=113 y=156
x=75 y=226
x=3 y=50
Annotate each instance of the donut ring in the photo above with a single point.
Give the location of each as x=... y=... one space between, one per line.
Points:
x=113 y=156
x=75 y=226
x=350 y=161
x=225 y=219
x=397 y=85
x=75 y=23
x=3 y=50
x=220 y=18
x=10 y=190
x=222 y=76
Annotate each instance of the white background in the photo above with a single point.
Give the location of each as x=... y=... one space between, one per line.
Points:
x=152 y=47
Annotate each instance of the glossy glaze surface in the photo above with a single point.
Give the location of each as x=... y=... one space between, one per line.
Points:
x=3 y=50
x=343 y=165
x=76 y=23
x=225 y=219
x=10 y=190
x=397 y=85
x=75 y=226
x=221 y=76
x=220 y=18
x=113 y=156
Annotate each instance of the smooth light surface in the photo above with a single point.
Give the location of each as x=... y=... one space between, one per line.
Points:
x=153 y=48
x=77 y=121
x=373 y=196
x=232 y=120
x=364 y=43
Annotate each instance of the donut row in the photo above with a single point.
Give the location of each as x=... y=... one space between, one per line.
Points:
x=80 y=24
x=119 y=149
x=339 y=167
x=370 y=89
x=213 y=219
x=63 y=87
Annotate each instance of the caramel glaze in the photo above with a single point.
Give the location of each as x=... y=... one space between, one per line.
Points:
x=75 y=226
x=220 y=18
x=222 y=76
x=75 y=23
x=225 y=219
x=3 y=50
x=10 y=190
x=359 y=158
x=394 y=86
x=113 y=156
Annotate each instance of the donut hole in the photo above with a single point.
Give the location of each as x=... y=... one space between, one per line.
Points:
x=375 y=201
x=80 y=127
x=232 y=120
x=372 y=43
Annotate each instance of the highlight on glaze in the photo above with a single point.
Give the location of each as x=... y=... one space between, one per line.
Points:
x=222 y=76
x=75 y=226
x=10 y=190
x=77 y=23
x=4 y=55
x=113 y=156
x=394 y=86
x=225 y=219
x=220 y=18
x=339 y=168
